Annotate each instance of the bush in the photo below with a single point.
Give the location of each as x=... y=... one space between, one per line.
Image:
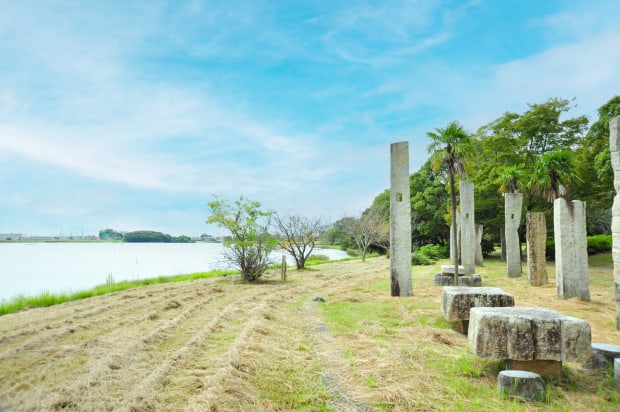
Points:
x=596 y=244
x=418 y=258
x=599 y=244
x=434 y=252
x=487 y=246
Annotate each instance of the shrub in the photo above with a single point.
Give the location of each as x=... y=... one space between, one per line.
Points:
x=596 y=244
x=487 y=246
x=599 y=244
x=434 y=252
x=418 y=258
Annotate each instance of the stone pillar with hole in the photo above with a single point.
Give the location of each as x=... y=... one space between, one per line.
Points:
x=571 y=249
x=614 y=148
x=536 y=248
x=512 y=206
x=468 y=227
x=400 y=221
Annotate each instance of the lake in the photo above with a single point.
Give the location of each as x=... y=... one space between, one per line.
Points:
x=33 y=268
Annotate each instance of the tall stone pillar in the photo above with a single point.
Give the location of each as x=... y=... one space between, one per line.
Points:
x=536 y=248
x=468 y=227
x=400 y=221
x=512 y=219
x=614 y=147
x=455 y=243
x=479 y=233
x=571 y=249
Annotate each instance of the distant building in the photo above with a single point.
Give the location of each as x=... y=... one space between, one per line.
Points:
x=11 y=236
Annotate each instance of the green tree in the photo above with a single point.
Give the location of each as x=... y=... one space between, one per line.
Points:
x=250 y=243
x=429 y=206
x=449 y=148
x=593 y=163
x=110 y=234
x=299 y=236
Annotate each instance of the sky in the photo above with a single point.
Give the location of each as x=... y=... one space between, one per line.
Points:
x=133 y=115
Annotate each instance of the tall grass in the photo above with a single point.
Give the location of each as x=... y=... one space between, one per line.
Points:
x=46 y=298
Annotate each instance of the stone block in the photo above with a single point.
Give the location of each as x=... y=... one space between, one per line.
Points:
x=614 y=134
x=456 y=301
x=536 y=243
x=571 y=249
x=468 y=227
x=524 y=385
x=513 y=203
x=449 y=270
x=471 y=281
x=603 y=355
x=400 y=221
x=528 y=333
x=441 y=280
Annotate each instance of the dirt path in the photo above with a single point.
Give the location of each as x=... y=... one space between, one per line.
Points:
x=209 y=345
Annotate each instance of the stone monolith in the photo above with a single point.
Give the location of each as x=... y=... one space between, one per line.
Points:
x=536 y=245
x=400 y=221
x=512 y=206
x=479 y=232
x=468 y=227
x=614 y=148
x=571 y=249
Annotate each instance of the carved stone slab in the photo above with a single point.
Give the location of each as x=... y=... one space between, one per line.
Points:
x=528 y=333
x=456 y=301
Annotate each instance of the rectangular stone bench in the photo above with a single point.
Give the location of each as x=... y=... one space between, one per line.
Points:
x=531 y=338
x=448 y=270
x=456 y=302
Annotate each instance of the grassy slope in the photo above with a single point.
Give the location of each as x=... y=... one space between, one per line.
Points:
x=276 y=349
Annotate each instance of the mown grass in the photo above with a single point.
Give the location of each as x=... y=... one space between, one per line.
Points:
x=393 y=345
x=46 y=299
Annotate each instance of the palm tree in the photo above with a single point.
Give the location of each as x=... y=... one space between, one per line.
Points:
x=552 y=174
x=449 y=148
x=510 y=179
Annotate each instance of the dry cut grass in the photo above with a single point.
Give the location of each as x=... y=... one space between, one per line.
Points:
x=221 y=345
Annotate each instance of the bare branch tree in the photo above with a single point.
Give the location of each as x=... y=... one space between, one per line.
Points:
x=299 y=236
x=370 y=229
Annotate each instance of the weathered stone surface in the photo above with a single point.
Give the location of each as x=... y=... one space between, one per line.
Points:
x=536 y=243
x=571 y=249
x=472 y=281
x=442 y=280
x=524 y=385
x=400 y=221
x=603 y=355
x=528 y=333
x=468 y=227
x=512 y=205
x=479 y=259
x=456 y=301
x=614 y=147
x=449 y=270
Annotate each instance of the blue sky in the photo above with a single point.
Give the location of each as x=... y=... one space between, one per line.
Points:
x=133 y=114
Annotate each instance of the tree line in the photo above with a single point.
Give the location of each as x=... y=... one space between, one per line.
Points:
x=543 y=152
x=143 y=236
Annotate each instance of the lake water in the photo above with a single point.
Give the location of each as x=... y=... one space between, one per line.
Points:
x=32 y=268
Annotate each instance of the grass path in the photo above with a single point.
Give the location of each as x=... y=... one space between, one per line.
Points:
x=219 y=345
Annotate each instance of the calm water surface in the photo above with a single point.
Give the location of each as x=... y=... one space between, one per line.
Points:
x=32 y=268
